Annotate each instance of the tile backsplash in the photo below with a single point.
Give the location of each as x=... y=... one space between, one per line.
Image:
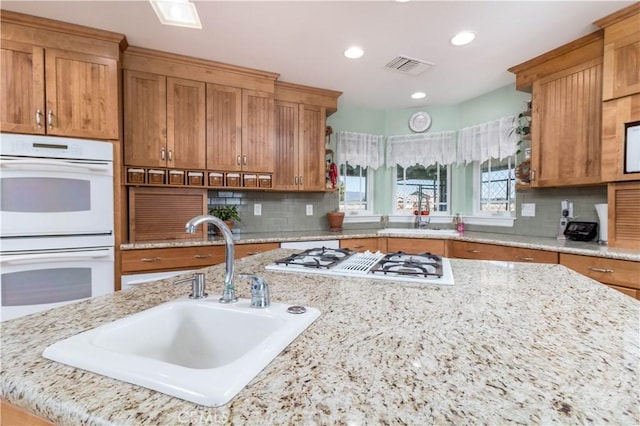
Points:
x=280 y=211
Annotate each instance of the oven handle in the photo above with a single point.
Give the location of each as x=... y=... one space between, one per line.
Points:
x=53 y=165
x=27 y=259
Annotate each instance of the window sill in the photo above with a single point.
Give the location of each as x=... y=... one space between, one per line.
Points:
x=361 y=218
x=501 y=221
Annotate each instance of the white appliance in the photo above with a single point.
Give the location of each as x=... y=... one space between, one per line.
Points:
x=56 y=235
x=423 y=268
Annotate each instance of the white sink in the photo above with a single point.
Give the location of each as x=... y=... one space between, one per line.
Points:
x=414 y=231
x=198 y=350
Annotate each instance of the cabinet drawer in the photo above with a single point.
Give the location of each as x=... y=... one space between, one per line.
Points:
x=243 y=250
x=360 y=244
x=171 y=258
x=608 y=271
x=416 y=245
x=465 y=250
x=628 y=291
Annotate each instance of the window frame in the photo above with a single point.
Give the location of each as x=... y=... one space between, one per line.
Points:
x=394 y=198
x=368 y=191
x=477 y=192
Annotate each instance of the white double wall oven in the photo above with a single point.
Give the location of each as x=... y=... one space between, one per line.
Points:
x=56 y=222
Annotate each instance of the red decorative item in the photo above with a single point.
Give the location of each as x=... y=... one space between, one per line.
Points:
x=333 y=174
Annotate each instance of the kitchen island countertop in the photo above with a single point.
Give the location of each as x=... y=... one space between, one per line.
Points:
x=523 y=241
x=508 y=343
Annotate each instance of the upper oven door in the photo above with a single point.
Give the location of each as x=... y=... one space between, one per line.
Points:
x=48 y=196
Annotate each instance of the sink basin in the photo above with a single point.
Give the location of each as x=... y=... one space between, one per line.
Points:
x=198 y=350
x=413 y=231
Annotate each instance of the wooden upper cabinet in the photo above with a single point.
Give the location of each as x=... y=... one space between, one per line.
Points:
x=22 y=88
x=300 y=136
x=185 y=124
x=82 y=95
x=145 y=119
x=566 y=127
x=164 y=121
x=257 y=131
x=312 y=150
x=621 y=52
x=224 y=127
x=287 y=134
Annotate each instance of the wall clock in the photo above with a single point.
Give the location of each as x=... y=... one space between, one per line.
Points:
x=419 y=121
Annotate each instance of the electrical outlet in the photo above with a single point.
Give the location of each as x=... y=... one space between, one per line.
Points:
x=309 y=209
x=528 y=209
x=257 y=209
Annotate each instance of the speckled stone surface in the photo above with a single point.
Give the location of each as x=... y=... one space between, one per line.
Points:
x=508 y=343
x=539 y=243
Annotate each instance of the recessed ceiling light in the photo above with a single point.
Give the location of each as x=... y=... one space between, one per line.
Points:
x=418 y=95
x=463 y=38
x=403 y=1
x=353 y=52
x=180 y=13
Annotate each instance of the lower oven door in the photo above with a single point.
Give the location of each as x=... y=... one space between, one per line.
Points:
x=35 y=281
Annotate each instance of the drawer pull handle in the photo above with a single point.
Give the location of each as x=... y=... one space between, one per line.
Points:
x=358 y=247
x=473 y=251
x=202 y=256
x=525 y=259
x=150 y=259
x=605 y=271
x=38 y=120
x=251 y=253
x=50 y=119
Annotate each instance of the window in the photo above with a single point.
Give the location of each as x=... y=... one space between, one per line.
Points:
x=432 y=182
x=496 y=191
x=354 y=189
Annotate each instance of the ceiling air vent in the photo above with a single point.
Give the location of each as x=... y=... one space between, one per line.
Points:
x=408 y=65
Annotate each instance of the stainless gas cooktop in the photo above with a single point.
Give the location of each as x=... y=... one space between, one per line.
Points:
x=423 y=268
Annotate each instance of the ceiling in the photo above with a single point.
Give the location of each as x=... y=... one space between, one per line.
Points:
x=304 y=41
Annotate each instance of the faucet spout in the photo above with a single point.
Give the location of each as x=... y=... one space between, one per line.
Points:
x=229 y=291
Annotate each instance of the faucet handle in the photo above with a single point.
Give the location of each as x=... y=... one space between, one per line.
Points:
x=259 y=291
x=197 y=285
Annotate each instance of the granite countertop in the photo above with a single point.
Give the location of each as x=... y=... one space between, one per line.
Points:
x=508 y=343
x=539 y=243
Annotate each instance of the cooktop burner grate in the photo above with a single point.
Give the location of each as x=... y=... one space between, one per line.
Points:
x=318 y=258
x=400 y=263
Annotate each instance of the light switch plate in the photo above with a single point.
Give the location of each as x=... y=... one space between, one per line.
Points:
x=528 y=210
x=309 y=209
x=257 y=209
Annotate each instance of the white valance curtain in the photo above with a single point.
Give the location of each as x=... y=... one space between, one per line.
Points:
x=494 y=139
x=424 y=149
x=360 y=149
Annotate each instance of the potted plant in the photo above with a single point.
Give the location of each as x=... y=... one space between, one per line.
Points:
x=227 y=213
x=335 y=219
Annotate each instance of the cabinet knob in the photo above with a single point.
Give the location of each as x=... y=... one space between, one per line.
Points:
x=604 y=271
x=50 y=119
x=38 y=120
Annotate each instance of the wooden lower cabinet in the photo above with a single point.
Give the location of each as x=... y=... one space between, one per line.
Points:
x=244 y=250
x=417 y=245
x=12 y=415
x=360 y=244
x=177 y=258
x=622 y=275
x=481 y=251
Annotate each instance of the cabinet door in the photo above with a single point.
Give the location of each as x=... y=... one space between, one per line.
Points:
x=416 y=245
x=185 y=124
x=286 y=176
x=21 y=88
x=622 y=58
x=257 y=131
x=566 y=127
x=224 y=128
x=467 y=250
x=145 y=119
x=82 y=95
x=311 y=150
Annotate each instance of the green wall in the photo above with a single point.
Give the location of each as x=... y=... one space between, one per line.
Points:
x=490 y=106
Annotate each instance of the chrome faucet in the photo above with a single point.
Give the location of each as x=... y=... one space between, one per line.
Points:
x=229 y=291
